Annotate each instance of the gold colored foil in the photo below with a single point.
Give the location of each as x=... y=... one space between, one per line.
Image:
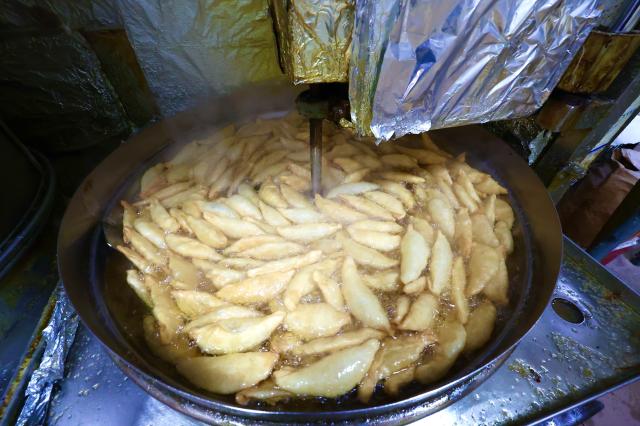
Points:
x=314 y=38
x=599 y=61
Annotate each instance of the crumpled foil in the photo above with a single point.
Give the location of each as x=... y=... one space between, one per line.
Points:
x=53 y=91
x=190 y=50
x=314 y=38
x=120 y=65
x=74 y=14
x=58 y=337
x=85 y=14
x=458 y=62
x=373 y=21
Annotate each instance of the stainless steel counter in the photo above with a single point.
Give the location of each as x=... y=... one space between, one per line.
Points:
x=557 y=366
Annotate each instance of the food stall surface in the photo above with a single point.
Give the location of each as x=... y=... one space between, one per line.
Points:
x=559 y=365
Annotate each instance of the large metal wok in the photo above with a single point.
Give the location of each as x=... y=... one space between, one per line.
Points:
x=93 y=274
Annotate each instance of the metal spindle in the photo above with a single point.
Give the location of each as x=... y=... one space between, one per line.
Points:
x=315 y=142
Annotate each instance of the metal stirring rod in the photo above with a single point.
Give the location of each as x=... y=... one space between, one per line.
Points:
x=315 y=142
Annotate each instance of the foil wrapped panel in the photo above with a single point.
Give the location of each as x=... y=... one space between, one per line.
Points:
x=314 y=39
x=121 y=67
x=373 y=22
x=84 y=13
x=452 y=63
x=53 y=13
x=189 y=50
x=54 y=93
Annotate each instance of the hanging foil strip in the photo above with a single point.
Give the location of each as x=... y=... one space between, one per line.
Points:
x=452 y=63
x=57 y=337
x=314 y=38
x=373 y=21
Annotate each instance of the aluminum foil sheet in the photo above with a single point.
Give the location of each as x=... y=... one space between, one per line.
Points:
x=85 y=14
x=57 y=337
x=190 y=50
x=468 y=61
x=373 y=22
x=314 y=38
x=54 y=93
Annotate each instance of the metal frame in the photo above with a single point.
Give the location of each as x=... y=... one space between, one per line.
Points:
x=623 y=110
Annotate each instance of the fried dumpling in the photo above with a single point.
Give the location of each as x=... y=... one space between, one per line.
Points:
x=422 y=313
x=235 y=334
x=440 y=265
x=312 y=320
x=258 y=289
x=362 y=302
x=394 y=355
x=227 y=374
x=483 y=265
x=194 y=303
x=332 y=375
x=451 y=338
x=414 y=254
x=480 y=326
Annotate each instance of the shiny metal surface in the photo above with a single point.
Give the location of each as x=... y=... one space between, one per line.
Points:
x=93 y=273
x=314 y=38
x=315 y=147
x=625 y=107
x=542 y=377
x=442 y=64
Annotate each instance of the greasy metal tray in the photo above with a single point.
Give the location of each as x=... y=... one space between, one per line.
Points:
x=557 y=366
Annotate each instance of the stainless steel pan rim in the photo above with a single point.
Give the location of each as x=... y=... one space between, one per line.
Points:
x=80 y=246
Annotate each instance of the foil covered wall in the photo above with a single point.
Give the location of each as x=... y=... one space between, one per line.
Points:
x=467 y=61
x=54 y=94
x=119 y=62
x=314 y=38
x=189 y=50
x=85 y=13
x=52 y=13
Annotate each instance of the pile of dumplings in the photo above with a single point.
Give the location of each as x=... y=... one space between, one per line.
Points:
x=256 y=289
